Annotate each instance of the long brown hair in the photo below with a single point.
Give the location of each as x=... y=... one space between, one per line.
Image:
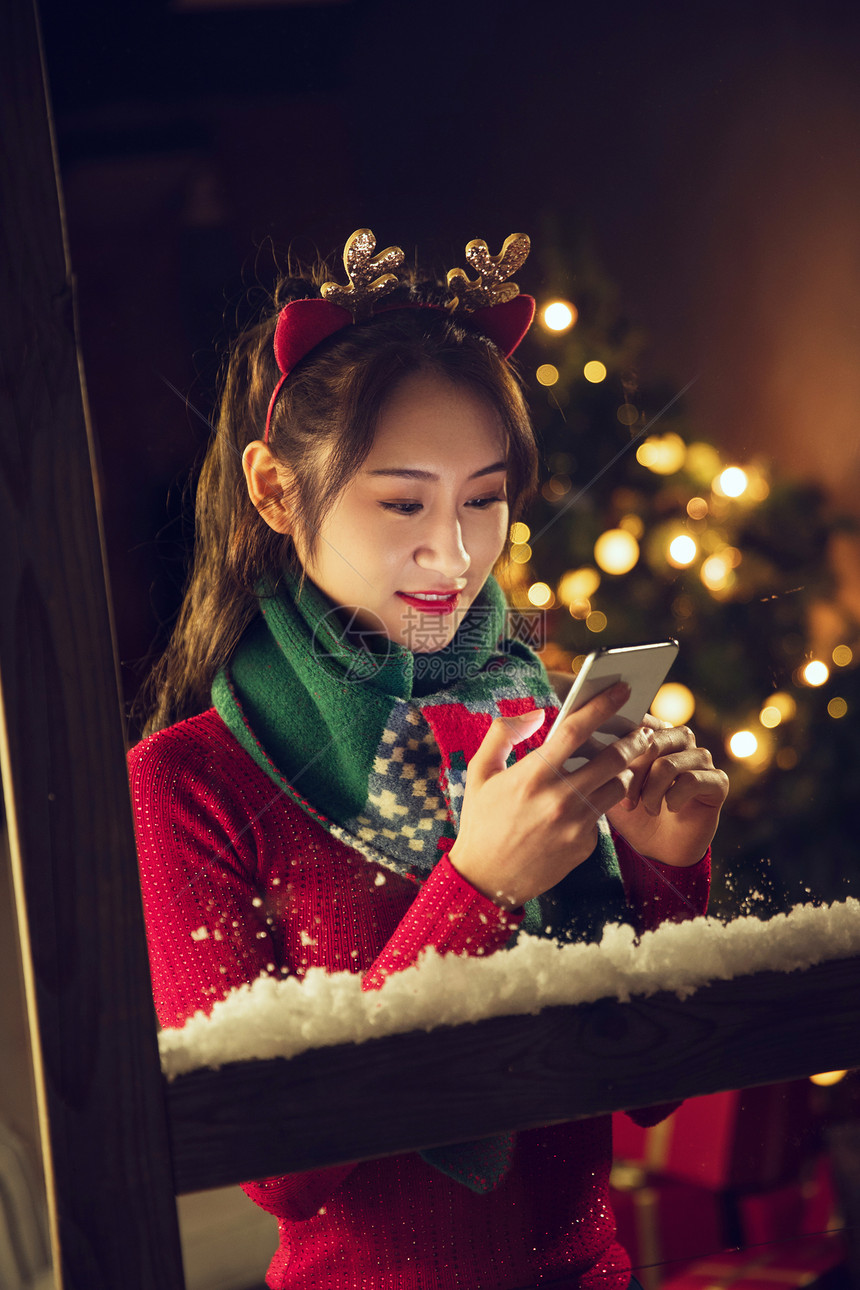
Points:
x=322 y=429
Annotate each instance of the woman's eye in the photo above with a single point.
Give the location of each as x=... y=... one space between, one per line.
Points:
x=482 y=503
x=410 y=508
x=401 y=508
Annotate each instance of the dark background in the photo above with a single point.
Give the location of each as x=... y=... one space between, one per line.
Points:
x=707 y=154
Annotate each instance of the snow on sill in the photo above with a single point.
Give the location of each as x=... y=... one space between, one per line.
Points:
x=280 y=1018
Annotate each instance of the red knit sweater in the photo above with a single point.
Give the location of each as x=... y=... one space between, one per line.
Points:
x=238 y=881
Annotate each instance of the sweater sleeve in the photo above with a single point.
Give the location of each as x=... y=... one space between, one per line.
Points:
x=206 y=930
x=207 y=927
x=449 y=915
x=659 y=893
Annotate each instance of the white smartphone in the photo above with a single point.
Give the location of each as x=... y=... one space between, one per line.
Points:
x=643 y=667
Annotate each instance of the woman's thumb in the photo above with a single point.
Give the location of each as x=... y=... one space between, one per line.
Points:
x=497 y=743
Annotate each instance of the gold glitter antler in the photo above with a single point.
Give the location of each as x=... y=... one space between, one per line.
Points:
x=370 y=277
x=491 y=286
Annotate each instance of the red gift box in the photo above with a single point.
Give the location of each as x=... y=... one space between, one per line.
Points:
x=664 y=1222
x=812 y=1261
x=805 y=1206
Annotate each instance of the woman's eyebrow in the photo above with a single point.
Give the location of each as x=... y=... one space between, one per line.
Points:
x=405 y=472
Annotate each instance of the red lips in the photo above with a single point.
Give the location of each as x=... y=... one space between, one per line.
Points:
x=446 y=606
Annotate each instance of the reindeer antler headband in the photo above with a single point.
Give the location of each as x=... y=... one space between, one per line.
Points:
x=491 y=303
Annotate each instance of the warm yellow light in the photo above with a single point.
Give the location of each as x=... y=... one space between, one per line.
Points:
x=596 y=621
x=713 y=540
x=778 y=708
x=580 y=607
x=743 y=744
x=577 y=584
x=828 y=1077
x=697 y=508
x=674 y=703
x=514 y=578
x=703 y=461
x=546 y=374
x=540 y=595
x=559 y=315
x=815 y=672
x=521 y=553
x=627 y=414
x=842 y=655
x=616 y=551
x=632 y=524
x=784 y=704
x=673 y=453
x=716 y=573
x=837 y=708
x=594 y=372
x=663 y=454
x=757 y=486
x=559 y=485
x=732 y=482
x=682 y=551
x=520 y=532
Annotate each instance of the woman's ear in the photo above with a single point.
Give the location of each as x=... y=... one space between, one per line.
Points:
x=264 y=478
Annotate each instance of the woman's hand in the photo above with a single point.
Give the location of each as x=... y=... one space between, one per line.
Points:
x=523 y=827
x=673 y=802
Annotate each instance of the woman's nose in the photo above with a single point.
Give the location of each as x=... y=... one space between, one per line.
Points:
x=442 y=550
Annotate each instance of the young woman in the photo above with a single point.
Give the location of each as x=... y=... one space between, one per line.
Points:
x=341 y=659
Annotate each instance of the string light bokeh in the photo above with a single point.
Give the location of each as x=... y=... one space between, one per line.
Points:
x=649 y=530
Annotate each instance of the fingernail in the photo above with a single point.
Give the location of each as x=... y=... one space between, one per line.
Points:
x=619 y=692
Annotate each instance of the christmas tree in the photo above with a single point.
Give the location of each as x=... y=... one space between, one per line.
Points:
x=642 y=531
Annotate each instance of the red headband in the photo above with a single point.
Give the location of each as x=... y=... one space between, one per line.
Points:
x=304 y=324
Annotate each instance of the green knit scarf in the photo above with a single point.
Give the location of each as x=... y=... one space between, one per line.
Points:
x=373 y=740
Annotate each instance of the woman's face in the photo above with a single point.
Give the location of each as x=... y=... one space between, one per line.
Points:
x=414 y=535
